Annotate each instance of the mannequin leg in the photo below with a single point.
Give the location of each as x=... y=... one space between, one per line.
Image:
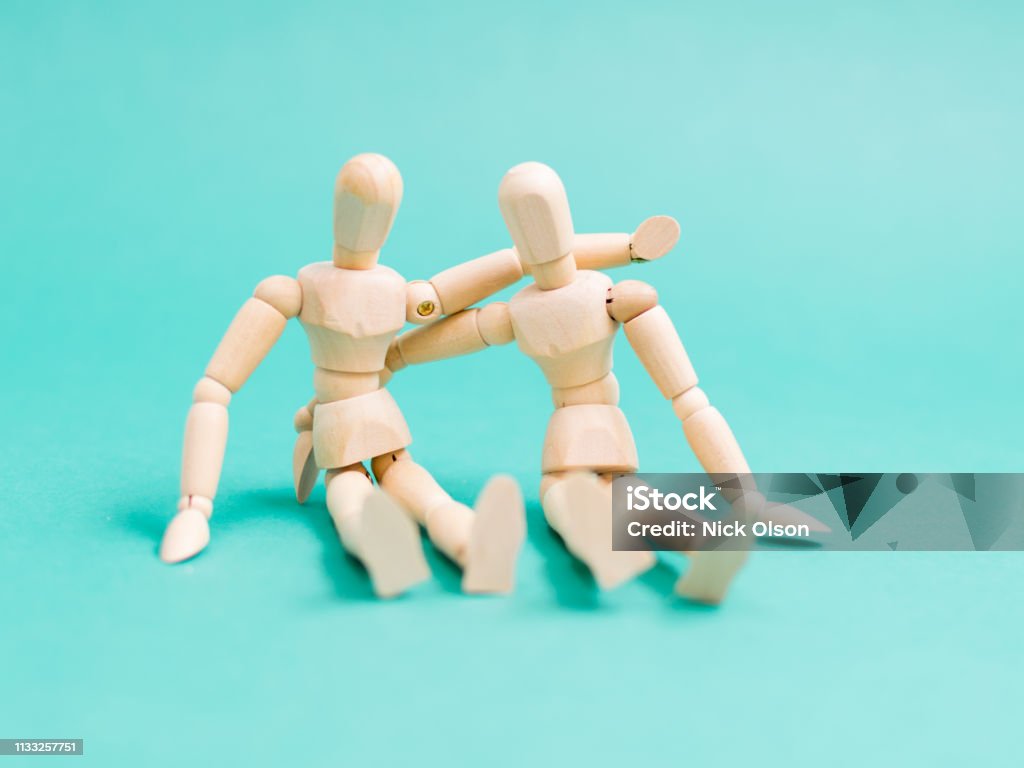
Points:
x=578 y=505
x=373 y=528
x=485 y=544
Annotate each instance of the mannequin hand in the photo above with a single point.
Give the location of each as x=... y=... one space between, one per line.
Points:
x=392 y=363
x=186 y=536
x=654 y=238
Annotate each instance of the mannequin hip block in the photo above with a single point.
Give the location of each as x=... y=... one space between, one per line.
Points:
x=595 y=437
x=359 y=428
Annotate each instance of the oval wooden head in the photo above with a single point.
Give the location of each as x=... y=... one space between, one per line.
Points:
x=367 y=193
x=536 y=211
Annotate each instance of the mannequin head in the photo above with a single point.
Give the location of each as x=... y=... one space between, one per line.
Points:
x=536 y=211
x=367 y=193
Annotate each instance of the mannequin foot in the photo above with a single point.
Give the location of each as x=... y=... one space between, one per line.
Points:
x=709 y=575
x=499 y=528
x=390 y=546
x=588 y=532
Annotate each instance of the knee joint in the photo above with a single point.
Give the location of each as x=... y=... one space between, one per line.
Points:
x=381 y=464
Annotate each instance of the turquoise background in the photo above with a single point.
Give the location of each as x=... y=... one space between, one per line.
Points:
x=849 y=182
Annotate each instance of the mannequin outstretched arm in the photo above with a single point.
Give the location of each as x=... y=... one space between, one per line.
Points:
x=253 y=332
x=465 y=284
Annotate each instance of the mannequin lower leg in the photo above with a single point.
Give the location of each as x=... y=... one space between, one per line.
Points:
x=577 y=506
x=448 y=522
x=376 y=530
x=347 y=489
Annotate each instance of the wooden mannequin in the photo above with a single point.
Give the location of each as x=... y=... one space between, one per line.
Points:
x=567 y=322
x=352 y=308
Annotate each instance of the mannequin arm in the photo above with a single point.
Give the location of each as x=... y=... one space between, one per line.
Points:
x=654 y=339
x=461 y=334
x=465 y=284
x=656 y=342
x=254 y=330
x=653 y=239
x=461 y=286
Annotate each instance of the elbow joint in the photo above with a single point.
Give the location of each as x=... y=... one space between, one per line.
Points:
x=209 y=390
x=689 y=402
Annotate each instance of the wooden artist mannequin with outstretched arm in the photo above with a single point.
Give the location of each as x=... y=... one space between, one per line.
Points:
x=566 y=322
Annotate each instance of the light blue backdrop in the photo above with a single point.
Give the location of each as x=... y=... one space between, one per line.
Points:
x=848 y=284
